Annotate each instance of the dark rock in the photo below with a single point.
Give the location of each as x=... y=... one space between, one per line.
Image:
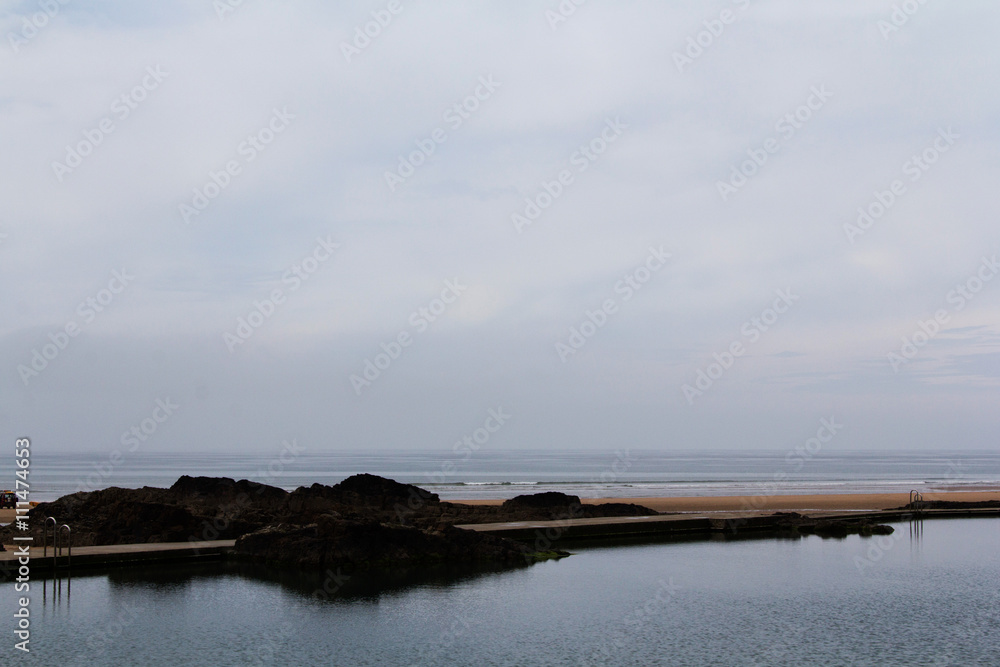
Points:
x=950 y=505
x=547 y=500
x=310 y=500
x=833 y=528
x=364 y=496
x=869 y=529
x=553 y=504
x=335 y=542
x=210 y=508
x=194 y=508
x=219 y=490
x=795 y=523
x=373 y=487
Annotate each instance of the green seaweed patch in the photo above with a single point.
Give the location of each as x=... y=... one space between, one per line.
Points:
x=539 y=556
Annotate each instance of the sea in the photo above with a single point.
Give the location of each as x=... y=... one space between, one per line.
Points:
x=619 y=473
x=928 y=594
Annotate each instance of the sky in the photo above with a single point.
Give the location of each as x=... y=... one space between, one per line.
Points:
x=385 y=225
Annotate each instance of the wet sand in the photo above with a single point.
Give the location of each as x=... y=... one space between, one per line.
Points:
x=829 y=501
x=775 y=503
x=8 y=515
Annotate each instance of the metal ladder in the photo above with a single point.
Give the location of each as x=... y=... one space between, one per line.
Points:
x=55 y=542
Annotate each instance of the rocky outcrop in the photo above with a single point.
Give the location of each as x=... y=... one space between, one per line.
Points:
x=554 y=505
x=372 y=489
x=951 y=505
x=369 y=497
x=194 y=508
x=210 y=508
x=221 y=490
x=552 y=500
x=804 y=525
x=363 y=497
x=334 y=542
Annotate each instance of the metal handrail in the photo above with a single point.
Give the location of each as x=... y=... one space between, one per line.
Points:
x=69 y=545
x=45 y=535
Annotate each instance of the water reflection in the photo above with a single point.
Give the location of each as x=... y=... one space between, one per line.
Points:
x=738 y=602
x=335 y=584
x=57 y=590
x=916 y=535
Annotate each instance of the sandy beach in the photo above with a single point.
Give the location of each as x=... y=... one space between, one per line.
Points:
x=8 y=515
x=775 y=503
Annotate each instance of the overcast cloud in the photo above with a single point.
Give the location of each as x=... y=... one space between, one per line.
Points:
x=247 y=159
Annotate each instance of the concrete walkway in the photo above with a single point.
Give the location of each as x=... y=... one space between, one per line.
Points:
x=119 y=554
x=681 y=525
x=692 y=523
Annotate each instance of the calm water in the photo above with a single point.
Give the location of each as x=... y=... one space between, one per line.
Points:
x=925 y=598
x=504 y=474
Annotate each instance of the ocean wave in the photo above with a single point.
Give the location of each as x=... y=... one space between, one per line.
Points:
x=489 y=484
